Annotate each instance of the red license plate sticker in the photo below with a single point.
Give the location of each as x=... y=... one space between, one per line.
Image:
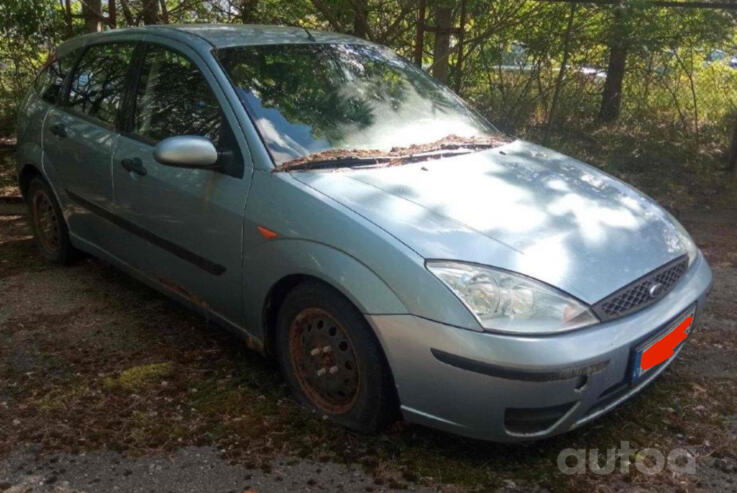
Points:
x=661 y=350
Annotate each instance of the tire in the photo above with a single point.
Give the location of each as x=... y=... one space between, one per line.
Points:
x=49 y=228
x=350 y=382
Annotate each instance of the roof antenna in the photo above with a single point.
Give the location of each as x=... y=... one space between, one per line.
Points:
x=309 y=35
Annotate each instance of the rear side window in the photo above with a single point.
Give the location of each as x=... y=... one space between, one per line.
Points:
x=98 y=82
x=174 y=98
x=50 y=81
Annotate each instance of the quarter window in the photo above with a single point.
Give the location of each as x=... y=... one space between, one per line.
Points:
x=174 y=98
x=50 y=81
x=99 y=81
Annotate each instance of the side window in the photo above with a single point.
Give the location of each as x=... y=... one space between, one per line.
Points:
x=50 y=81
x=174 y=98
x=99 y=81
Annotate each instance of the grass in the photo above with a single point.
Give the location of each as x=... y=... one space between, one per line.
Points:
x=138 y=378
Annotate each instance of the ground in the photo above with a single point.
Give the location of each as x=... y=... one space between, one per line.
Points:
x=106 y=385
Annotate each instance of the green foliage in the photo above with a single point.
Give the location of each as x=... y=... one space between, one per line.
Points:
x=139 y=377
x=513 y=51
x=28 y=30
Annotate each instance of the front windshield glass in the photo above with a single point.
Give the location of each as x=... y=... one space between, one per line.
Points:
x=313 y=99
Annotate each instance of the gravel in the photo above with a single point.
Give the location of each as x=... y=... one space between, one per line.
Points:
x=190 y=469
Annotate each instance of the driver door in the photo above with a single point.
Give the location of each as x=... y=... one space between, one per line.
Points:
x=183 y=226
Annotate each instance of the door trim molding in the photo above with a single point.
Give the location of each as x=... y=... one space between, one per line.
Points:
x=176 y=250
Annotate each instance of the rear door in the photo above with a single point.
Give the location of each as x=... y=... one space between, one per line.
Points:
x=42 y=96
x=184 y=226
x=80 y=136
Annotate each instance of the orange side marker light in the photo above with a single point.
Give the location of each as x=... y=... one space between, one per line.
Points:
x=267 y=233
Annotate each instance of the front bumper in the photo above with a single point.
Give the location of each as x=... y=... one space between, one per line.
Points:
x=510 y=388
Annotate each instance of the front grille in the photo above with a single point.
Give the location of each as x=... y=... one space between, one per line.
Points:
x=639 y=294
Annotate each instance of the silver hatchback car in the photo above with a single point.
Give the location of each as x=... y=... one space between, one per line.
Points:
x=345 y=213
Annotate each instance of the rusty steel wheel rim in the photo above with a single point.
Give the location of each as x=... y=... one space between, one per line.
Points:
x=324 y=361
x=45 y=221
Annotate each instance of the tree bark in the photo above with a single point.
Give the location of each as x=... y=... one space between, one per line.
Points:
x=68 y=18
x=112 y=14
x=441 y=52
x=561 y=72
x=732 y=156
x=611 y=99
x=150 y=11
x=127 y=12
x=164 y=12
x=360 y=19
x=461 y=39
x=92 y=13
x=248 y=11
x=420 y=36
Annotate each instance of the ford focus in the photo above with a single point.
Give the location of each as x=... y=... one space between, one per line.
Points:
x=356 y=220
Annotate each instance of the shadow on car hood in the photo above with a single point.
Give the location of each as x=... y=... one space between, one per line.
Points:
x=520 y=207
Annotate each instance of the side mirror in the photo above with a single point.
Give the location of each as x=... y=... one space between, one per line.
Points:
x=186 y=151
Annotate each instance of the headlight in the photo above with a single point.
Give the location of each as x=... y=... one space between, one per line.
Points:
x=691 y=249
x=506 y=302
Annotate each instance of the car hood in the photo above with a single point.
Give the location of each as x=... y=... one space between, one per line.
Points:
x=519 y=207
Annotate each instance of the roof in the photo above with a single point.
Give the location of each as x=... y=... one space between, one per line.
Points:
x=225 y=35
x=221 y=35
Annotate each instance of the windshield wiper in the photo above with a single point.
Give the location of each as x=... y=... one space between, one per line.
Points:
x=342 y=162
x=446 y=150
x=461 y=146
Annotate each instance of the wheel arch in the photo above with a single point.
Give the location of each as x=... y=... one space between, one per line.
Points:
x=278 y=293
x=27 y=173
x=273 y=302
x=279 y=266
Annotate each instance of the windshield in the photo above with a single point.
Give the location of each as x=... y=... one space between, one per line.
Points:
x=312 y=99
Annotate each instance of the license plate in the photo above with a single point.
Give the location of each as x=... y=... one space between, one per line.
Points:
x=656 y=351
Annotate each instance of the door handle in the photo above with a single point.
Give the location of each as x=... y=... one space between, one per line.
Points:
x=59 y=130
x=134 y=165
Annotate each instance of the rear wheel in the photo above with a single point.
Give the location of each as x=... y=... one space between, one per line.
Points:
x=49 y=228
x=332 y=360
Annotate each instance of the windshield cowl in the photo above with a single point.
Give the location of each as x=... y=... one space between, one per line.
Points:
x=448 y=146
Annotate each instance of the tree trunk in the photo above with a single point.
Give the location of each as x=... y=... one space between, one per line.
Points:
x=91 y=13
x=420 y=37
x=164 y=12
x=732 y=156
x=112 y=14
x=127 y=12
x=248 y=11
x=68 y=18
x=612 y=96
x=360 y=19
x=561 y=72
x=441 y=52
x=461 y=40
x=150 y=11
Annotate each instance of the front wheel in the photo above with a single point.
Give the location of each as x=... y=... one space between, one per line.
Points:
x=332 y=360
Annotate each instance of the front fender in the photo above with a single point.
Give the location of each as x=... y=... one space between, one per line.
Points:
x=274 y=260
x=28 y=153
